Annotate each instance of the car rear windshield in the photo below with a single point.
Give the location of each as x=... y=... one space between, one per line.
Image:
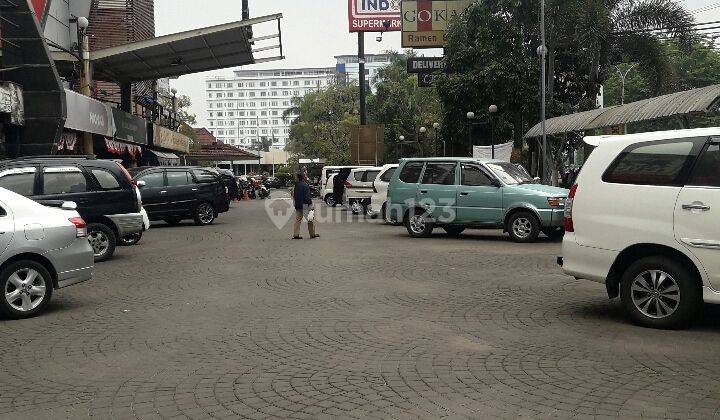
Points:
x=411 y=172
x=663 y=163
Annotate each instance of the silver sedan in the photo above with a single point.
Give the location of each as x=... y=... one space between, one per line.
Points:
x=41 y=249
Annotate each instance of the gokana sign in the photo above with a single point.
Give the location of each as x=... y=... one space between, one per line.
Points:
x=424 y=22
x=374 y=15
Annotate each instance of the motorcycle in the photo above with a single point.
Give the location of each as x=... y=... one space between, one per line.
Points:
x=263 y=192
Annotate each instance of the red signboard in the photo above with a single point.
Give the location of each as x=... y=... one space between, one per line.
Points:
x=39 y=7
x=374 y=15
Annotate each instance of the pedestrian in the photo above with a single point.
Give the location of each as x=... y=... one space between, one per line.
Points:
x=303 y=206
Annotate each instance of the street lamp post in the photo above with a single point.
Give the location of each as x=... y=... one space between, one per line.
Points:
x=423 y=130
x=84 y=50
x=436 y=126
x=470 y=116
x=492 y=109
x=402 y=141
x=542 y=52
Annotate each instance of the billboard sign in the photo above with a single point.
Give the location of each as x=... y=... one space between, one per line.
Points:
x=427 y=79
x=417 y=65
x=374 y=15
x=424 y=22
x=367 y=144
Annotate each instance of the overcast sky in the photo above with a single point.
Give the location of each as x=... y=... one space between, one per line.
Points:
x=314 y=31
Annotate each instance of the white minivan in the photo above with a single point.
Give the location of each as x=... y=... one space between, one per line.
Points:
x=644 y=219
x=380 y=187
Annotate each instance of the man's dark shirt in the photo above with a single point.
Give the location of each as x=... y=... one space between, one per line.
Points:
x=302 y=195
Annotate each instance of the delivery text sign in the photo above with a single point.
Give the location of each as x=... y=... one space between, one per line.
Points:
x=374 y=15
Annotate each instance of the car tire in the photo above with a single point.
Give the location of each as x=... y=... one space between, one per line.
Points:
x=523 y=227
x=12 y=307
x=555 y=233
x=204 y=214
x=659 y=292
x=330 y=200
x=454 y=230
x=369 y=213
x=356 y=207
x=418 y=224
x=102 y=240
x=130 y=240
x=173 y=220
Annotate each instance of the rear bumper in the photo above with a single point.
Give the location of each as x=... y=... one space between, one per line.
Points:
x=127 y=224
x=73 y=264
x=586 y=262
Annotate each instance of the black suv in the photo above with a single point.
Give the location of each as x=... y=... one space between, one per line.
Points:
x=104 y=192
x=176 y=193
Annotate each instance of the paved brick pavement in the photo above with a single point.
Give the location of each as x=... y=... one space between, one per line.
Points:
x=237 y=321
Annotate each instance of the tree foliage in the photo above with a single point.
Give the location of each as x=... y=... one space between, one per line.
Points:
x=322 y=123
x=403 y=108
x=182 y=103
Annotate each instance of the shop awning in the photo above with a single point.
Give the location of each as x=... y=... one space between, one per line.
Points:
x=689 y=102
x=164 y=155
x=212 y=48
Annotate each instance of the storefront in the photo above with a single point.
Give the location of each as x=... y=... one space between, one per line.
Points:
x=166 y=145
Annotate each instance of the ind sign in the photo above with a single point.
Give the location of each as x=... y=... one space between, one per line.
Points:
x=424 y=22
x=374 y=15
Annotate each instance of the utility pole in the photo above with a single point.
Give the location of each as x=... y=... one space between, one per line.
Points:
x=361 y=70
x=623 y=75
x=84 y=50
x=543 y=56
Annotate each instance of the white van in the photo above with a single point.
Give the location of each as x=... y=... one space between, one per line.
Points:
x=380 y=186
x=326 y=187
x=644 y=219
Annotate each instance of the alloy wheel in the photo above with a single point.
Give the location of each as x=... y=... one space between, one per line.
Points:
x=417 y=224
x=205 y=213
x=522 y=227
x=25 y=289
x=655 y=294
x=99 y=242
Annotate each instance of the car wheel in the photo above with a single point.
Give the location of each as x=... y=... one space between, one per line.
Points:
x=555 y=233
x=102 y=240
x=418 y=224
x=369 y=213
x=330 y=200
x=658 y=292
x=27 y=288
x=356 y=207
x=523 y=227
x=130 y=240
x=454 y=230
x=204 y=214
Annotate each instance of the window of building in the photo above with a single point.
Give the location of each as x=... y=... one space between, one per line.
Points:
x=211 y=123
x=262 y=84
x=286 y=83
x=251 y=84
x=241 y=94
x=252 y=113
x=231 y=114
x=263 y=104
x=220 y=113
x=263 y=93
x=239 y=85
x=296 y=83
x=230 y=94
x=251 y=94
x=286 y=103
x=263 y=113
x=273 y=103
x=308 y=83
x=229 y=85
x=296 y=93
x=273 y=83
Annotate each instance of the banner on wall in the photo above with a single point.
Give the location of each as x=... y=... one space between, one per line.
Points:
x=503 y=152
x=424 y=22
x=374 y=15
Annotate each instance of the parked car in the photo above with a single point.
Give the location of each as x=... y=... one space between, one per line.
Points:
x=460 y=193
x=326 y=186
x=328 y=193
x=103 y=190
x=380 y=186
x=642 y=218
x=41 y=249
x=174 y=194
x=360 y=188
x=228 y=178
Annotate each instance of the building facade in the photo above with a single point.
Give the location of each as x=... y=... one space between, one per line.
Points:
x=348 y=68
x=248 y=107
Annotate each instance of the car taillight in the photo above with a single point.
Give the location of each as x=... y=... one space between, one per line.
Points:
x=348 y=184
x=569 y=226
x=80 y=227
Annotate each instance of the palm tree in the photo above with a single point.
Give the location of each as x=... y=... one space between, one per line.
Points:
x=589 y=37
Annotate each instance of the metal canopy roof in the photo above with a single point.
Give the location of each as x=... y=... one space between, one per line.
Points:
x=687 y=102
x=212 y=48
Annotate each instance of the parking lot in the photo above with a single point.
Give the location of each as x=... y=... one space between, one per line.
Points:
x=236 y=320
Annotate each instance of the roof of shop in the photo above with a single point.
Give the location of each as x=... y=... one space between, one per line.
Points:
x=220 y=151
x=688 y=102
x=212 y=48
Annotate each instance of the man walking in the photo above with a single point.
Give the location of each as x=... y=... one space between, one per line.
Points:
x=303 y=205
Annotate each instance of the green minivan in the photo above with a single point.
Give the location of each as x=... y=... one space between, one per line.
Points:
x=460 y=193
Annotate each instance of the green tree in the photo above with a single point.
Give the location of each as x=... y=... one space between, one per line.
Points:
x=262 y=144
x=182 y=103
x=403 y=108
x=322 y=123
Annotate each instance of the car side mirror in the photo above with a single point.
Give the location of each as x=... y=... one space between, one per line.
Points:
x=140 y=184
x=69 y=205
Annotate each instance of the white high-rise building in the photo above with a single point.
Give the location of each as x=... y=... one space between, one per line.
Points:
x=249 y=106
x=348 y=67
